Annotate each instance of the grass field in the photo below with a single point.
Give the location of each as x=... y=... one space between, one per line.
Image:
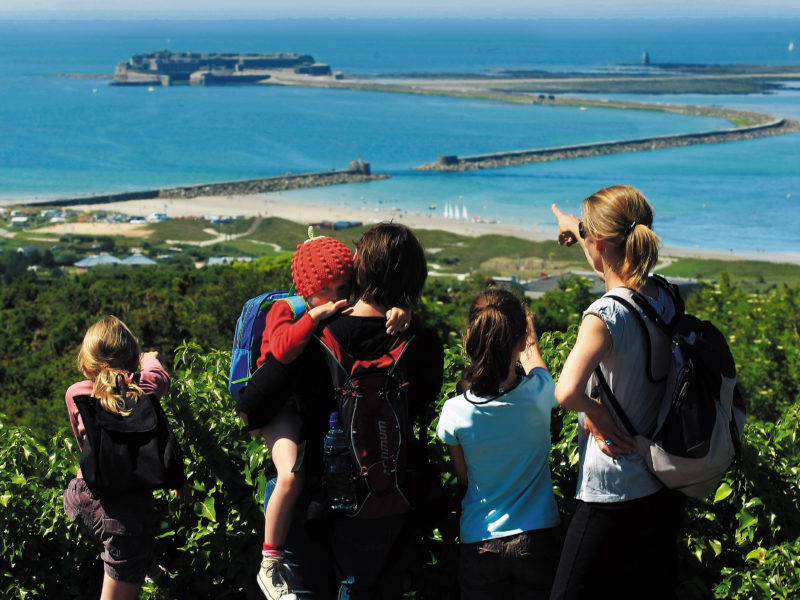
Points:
x=448 y=253
x=755 y=273
x=188 y=230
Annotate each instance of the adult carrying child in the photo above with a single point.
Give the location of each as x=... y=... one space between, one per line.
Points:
x=322 y=273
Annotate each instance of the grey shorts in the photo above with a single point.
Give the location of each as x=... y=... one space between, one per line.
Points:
x=123 y=524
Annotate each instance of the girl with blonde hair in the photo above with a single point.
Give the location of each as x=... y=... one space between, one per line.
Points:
x=621 y=541
x=498 y=434
x=117 y=374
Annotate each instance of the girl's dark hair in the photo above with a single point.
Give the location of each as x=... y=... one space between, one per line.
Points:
x=497 y=324
x=390 y=266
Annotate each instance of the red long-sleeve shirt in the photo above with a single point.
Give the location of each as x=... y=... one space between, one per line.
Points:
x=284 y=337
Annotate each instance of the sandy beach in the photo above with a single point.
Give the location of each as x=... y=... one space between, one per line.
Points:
x=270 y=205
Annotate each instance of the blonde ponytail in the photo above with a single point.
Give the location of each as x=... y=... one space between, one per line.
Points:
x=622 y=216
x=114 y=392
x=641 y=255
x=108 y=355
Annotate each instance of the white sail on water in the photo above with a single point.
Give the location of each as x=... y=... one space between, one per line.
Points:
x=464 y=213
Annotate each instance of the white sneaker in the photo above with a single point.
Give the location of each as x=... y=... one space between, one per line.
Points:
x=272 y=579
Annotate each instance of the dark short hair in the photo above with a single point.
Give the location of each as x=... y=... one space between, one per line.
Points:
x=390 y=266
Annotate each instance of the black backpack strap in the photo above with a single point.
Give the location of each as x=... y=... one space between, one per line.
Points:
x=402 y=354
x=653 y=315
x=673 y=291
x=87 y=408
x=338 y=373
x=615 y=405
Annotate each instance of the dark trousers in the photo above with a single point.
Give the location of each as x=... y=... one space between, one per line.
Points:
x=622 y=550
x=324 y=552
x=514 y=567
x=361 y=550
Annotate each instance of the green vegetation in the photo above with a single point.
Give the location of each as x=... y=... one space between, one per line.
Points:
x=450 y=254
x=185 y=230
x=751 y=272
x=44 y=322
x=744 y=543
x=460 y=254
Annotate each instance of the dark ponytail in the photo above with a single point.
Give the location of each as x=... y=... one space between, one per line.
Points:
x=497 y=325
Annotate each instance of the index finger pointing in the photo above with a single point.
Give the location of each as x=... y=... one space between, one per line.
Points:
x=556 y=211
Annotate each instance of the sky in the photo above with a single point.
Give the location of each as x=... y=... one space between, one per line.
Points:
x=214 y=9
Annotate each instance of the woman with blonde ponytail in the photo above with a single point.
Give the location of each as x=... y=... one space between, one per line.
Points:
x=118 y=375
x=621 y=541
x=498 y=433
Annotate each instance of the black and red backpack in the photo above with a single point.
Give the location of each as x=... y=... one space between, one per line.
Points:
x=374 y=413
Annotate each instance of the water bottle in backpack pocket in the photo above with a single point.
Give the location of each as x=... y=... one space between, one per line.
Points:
x=373 y=409
x=338 y=476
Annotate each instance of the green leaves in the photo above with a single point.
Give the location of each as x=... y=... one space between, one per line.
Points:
x=207 y=509
x=743 y=544
x=723 y=491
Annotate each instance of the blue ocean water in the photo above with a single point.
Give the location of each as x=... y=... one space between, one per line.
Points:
x=73 y=136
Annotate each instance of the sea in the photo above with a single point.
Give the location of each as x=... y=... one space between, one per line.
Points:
x=66 y=132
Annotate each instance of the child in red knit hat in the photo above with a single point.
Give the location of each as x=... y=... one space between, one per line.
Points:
x=322 y=271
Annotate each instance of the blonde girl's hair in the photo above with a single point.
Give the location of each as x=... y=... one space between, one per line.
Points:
x=109 y=352
x=497 y=324
x=622 y=215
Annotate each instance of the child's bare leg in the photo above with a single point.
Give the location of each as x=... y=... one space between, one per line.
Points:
x=118 y=590
x=282 y=436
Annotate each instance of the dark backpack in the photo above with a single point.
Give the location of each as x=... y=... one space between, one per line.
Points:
x=247 y=336
x=697 y=435
x=373 y=410
x=129 y=453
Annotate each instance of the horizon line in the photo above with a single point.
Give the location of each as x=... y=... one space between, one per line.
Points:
x=146 y=16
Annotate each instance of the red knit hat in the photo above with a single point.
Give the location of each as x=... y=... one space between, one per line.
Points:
x=317 y=262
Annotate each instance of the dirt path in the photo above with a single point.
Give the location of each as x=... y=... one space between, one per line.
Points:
x=226 y=237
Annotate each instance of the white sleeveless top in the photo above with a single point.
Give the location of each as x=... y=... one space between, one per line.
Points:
x=602 y=478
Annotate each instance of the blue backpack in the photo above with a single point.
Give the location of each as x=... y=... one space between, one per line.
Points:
x=250 y=329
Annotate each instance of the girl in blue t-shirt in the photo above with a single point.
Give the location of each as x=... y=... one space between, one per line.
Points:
x=498 y=433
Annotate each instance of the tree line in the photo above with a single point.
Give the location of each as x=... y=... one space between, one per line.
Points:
x=743 y=543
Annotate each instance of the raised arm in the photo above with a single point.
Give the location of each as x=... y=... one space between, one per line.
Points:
x=569 y=232
x=153 y=379
x=531 y=357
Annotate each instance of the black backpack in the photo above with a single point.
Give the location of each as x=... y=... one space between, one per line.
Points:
x=373 y=410
x=698 y=431
x=129 y=453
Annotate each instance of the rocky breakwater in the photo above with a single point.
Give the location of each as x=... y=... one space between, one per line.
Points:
x=358 y=172
x=775 y=126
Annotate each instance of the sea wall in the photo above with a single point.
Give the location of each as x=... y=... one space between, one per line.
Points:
x=450 y=162
x=358 y=172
